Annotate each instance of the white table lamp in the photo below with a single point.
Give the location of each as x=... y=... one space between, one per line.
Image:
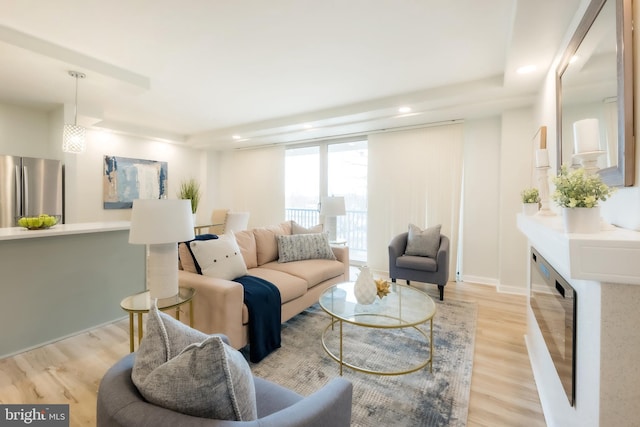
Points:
x=161 y=224
x=586 y=147
x=330 y=208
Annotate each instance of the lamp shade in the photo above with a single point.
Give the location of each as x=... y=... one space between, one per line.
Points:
x=332 y=206
x=155 y=221
x=586 y=134
x=73 y=138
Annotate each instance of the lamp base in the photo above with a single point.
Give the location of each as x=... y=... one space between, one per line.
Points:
x=331 y=224
x=589 y=160
x=162 y=270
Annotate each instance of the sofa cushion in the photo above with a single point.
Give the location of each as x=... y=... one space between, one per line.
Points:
x=184 y=370
x=298 y=247
x=413 y=262
x=312 y=271
x=298 y=229
x=219 y=258
x=290 y=287
x=423 y=242
x=247 y=244
x=266 y=243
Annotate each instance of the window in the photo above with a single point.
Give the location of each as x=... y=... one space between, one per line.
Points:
x=338 y=169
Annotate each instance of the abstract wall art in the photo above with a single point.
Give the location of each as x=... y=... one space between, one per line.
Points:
x=126 y=179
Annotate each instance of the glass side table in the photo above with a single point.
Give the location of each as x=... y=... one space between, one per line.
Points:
x=141 y=303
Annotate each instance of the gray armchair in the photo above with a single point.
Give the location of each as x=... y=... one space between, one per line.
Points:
x=120 y=404
x=419 y=268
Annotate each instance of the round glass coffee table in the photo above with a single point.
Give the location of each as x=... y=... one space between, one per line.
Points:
x=404 y=307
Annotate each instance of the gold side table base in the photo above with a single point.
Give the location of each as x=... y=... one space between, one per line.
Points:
x=141 y=303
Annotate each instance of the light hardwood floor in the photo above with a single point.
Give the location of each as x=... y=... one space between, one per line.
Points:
x=503 y=392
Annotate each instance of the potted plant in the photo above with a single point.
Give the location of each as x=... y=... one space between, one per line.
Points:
x=578 y=194
x=190 y=189
x=530 y=200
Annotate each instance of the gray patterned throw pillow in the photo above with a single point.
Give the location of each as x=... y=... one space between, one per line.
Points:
x=297 y=247
x=182 y=369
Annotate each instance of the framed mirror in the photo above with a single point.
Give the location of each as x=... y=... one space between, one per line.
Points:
x=594 y=80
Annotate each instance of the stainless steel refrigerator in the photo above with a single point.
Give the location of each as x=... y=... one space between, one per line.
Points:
x=29 y=187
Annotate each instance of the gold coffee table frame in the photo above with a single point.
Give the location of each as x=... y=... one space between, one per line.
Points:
x=404 y=307
x=141 y=303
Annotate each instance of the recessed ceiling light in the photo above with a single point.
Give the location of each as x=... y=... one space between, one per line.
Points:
x=237 y=137
x=308 y=125
x=573 y=59
x=526 y=69
x=404 y=109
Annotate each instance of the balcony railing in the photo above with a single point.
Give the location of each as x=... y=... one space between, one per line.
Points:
x=352 y=227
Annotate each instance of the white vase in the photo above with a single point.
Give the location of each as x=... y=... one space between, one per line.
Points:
x=530 y=208
x=581 y=220
x=365 y=288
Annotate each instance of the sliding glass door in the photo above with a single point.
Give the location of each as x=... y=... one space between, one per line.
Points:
x=336 y=169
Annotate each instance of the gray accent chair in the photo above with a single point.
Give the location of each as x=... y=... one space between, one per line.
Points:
x=419 y=268
x=120 y=404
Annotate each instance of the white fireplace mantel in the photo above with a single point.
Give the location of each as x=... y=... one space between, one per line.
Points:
x=611 y=256
x=604 y=269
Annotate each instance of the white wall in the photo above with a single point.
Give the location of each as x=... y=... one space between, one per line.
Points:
x=253 y=181
x=481 y=190
x=29 y=132
x=84 y=172
x=516 y=152
x=24 y=132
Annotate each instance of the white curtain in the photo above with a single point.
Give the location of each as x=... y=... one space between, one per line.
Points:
x=414 y=177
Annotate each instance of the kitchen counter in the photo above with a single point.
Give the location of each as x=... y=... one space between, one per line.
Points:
x=13 y=233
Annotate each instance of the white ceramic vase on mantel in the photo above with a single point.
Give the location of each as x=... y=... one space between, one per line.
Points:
x=530 y=208
x=581 y=220
x=365 y=288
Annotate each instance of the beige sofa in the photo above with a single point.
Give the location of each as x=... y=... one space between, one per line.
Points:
x=218 y=305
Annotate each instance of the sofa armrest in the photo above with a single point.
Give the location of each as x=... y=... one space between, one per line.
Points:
x=342 y=255
x=217 y=305
x=397 y=246
x=442 y=258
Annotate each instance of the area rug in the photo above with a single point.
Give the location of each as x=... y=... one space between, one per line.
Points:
x=421 y=398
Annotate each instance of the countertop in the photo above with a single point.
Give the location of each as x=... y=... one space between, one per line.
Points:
x=14 y=233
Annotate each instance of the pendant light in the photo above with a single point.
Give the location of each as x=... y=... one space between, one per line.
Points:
x=73 y=135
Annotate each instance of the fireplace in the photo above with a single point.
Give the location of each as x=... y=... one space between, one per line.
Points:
x=554 y=306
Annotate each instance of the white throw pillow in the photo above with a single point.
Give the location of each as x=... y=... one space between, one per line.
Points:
x=184 y=370
x=423 y=242
x=220 y=257
x=296 y=247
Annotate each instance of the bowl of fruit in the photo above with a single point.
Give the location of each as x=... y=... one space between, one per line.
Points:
x=39 y=222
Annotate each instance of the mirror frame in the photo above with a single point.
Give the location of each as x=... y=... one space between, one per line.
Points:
x=623 y=173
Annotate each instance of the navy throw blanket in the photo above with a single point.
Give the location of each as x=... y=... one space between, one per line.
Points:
x=263 y=302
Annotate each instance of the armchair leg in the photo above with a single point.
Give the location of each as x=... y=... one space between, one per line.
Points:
x=393 y=280
x=408 y=283
x=441 y=289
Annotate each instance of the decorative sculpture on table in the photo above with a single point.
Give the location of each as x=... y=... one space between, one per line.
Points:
x=365 y=288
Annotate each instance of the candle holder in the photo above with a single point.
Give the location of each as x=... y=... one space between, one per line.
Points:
x=542 y=173
x=589 y=160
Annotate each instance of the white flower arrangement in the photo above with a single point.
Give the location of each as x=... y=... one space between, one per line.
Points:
x=530 y=195
x=578 y=189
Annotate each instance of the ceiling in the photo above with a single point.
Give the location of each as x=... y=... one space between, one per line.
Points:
x=199 y=72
